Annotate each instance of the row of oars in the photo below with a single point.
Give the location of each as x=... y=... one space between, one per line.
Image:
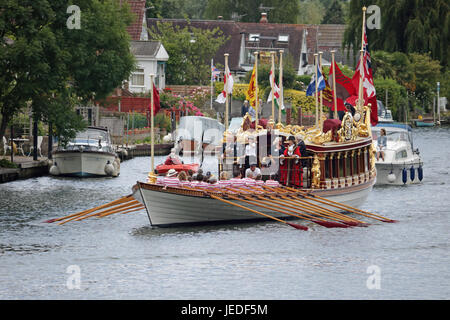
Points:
x=122 y=205
x=295 y=203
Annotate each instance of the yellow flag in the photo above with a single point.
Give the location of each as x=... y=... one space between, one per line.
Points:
x=251 y=91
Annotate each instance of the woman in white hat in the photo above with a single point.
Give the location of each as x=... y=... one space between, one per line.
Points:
x=171 y=180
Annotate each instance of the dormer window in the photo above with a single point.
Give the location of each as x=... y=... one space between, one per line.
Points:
x=253 y=37
x=283 y=38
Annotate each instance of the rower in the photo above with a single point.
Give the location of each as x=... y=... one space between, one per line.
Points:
x=253 y=170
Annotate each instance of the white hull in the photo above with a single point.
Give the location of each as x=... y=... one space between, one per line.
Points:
x=166 y=208
x=392 y=173
x=84 y=164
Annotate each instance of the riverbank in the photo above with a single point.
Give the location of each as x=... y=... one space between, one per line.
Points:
x=26 y=168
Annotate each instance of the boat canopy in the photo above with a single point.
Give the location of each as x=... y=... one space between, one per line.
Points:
x=200 y=129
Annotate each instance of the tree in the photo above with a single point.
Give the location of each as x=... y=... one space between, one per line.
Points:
x=52 y=66
x=420 y=26
x=282 y=11
x=190 y=51
x=311 y=12
x=334 y=14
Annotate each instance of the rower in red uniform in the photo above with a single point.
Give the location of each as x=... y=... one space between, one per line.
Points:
x=291 y=170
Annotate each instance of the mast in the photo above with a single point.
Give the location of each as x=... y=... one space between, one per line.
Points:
x=272 y=54
x=334 y=84
x=321 y=93
x=151 y=175
x=226 y=89
x=281 y=101
x=256 y=90
x=316 y=96
x=361 y=66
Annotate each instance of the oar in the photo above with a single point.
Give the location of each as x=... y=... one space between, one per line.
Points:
x=322 y=211
x=283 y=210
x=112 y=203
x=137 y=207
x=341 y=206
x=120 y=208
x=294 y=225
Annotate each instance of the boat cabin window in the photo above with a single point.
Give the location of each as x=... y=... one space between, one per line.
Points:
x=401 y=154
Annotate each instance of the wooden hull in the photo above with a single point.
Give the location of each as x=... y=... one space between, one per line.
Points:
x=175 y=207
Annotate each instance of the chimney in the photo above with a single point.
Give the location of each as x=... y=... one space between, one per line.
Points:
x=263 y=18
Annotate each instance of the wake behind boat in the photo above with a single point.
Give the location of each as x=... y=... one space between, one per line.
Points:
x=90 y=154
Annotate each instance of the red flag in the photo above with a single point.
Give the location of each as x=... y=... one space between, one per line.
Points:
x=344 y=86
x=156 y=103
x=328 y=99
x=364 y=71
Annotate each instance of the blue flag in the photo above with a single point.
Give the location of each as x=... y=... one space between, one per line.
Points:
x=312 y=85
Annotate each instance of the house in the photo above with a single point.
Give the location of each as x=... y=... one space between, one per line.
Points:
x=151 y=59
x=298 y=41
x=151 y=55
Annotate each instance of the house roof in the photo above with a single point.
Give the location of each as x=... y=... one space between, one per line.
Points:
x=318 y=38
x=145 y=48
x=137 y=8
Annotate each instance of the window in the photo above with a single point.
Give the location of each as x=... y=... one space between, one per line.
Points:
x=253 y=37
x=401 y=154
x=283 y=38
x=137 y=78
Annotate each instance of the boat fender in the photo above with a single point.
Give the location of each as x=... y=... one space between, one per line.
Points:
x=54 y=170
x=412 y=173
x=404 y=175
x=109 y=168
x=391 y=177
x=420 y=173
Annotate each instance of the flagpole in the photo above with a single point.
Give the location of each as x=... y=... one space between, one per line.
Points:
x=226 y=93
x=272 y=53
x=361 y=78
x=212 y=64
x=256 y=89
x=152 y=177
x=334 y=83
x=321 y=93
x=281 y=100
x=316 y=56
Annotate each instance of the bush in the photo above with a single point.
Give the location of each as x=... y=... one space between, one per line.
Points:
x=7 y=164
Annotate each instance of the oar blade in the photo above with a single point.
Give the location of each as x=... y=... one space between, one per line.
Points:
x=329 y=224
x=297 y=226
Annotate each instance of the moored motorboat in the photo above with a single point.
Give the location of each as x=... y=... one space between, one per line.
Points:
x=89 y=154
x=402 y=163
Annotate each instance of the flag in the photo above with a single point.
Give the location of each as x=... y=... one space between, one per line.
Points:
x=275 y=92
x=228 y=83
x=251 y=91
x=156 y=102
x=344 y=87
x=364 y=71
x=214 y=73
x=312 y=85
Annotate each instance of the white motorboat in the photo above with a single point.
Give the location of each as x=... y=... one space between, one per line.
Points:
x=90 y=154
x=402 y=163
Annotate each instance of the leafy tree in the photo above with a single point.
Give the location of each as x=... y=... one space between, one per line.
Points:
x=420 y=26
x=53 y=67
x=311 y=12
x=282 y=11
x=171 y=9
x=334 y=14
x=190 y=51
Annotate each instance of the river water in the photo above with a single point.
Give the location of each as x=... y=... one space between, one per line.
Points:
x=122 y=257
